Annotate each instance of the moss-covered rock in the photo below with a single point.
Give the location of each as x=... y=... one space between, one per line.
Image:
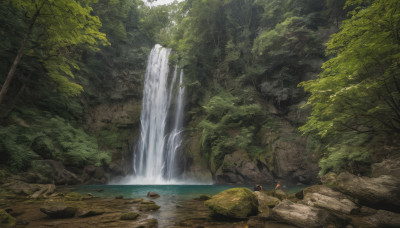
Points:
x=234 y=203
x=148 y=206
x=73 y=196
x=6 y=220
x=129 y=216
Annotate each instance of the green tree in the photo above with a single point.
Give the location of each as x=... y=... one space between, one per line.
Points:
x=55 y=28
x=358 y=91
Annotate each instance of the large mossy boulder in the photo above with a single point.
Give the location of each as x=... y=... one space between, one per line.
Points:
x=301 y=215
x=234 y=203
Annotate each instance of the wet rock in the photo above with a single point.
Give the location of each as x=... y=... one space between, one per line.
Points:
x=381 y=192
x=383 y=218
x=58 y=211
x=6 y=220
x=148 y=206
x=133 y=201
x=203 y=197
x=305 y=216
x=129 y=216
x=119 y=197
x=148 y=223
x=234 y=203
x=324 y=197
x=84 y=213
x=73 y=196
x=153 y=195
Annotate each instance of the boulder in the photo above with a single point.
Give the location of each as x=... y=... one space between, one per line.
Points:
x=73 y=196
x=129 y=216
x=148 y=206
x=238 y=168
x=386 y=167
x=324 y=197
x=234 y=203
x=291 y=161
x=383 y=218
x=381 y=192
x=58 y=211
x=45 y=190
x=6 y=220
x=153 y=195
x=305 y=216
x=147 y=223
x=22 y=188
x=264 y=203
x=265 y=200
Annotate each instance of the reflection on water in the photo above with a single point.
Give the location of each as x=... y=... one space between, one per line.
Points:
x=177 y=201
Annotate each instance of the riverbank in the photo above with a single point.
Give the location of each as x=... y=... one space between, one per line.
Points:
x=345 y=200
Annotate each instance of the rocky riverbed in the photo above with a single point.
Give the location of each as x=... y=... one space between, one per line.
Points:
x=344 y=200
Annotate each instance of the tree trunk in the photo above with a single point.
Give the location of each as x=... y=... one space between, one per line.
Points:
x=11 y=73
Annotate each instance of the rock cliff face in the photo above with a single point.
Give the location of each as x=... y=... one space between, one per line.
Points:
x=285 y=156
x=117 y=127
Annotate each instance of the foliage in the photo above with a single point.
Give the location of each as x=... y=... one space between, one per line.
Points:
x=40 y=135
x=358 y=89
x=228 y=126
x=58 y=27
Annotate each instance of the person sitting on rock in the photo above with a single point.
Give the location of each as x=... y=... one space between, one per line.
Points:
x=258 y=188
x=278 y=185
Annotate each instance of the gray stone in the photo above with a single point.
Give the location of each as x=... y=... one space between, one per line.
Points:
x=383 y=218
x=153 y=195
x=305 y=216
x=389 y=167
x=383 y=191
x=238 y=168
x=324 y=197
x=45 y=191
x=59 y=211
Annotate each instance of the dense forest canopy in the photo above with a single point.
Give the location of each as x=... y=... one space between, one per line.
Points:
x=249 y=67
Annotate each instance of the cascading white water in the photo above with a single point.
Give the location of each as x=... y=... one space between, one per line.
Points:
x=155 y=155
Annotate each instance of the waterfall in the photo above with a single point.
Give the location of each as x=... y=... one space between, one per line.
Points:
x=161 y=122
